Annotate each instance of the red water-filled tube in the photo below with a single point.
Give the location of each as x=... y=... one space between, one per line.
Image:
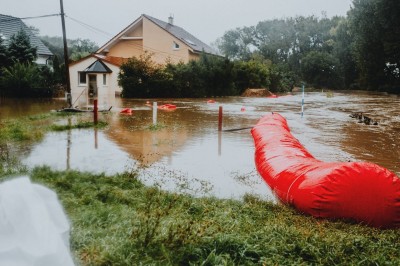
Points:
x=359 y=191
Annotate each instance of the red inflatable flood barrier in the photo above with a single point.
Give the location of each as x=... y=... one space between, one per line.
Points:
x=359 y=191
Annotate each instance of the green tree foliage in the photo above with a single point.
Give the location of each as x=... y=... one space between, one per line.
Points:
x=374 y=24
x=320 y=69
x=3 y=54
x=251 y=74
x=140 y=77
x=346 y=69
x=25 y=80
x=282 y=41
x=209 y=76
x=281 y=78
x=20 y=49
x=368 y=46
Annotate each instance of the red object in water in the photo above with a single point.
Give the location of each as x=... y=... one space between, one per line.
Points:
x=243 y=109
x=359 y=191
x=167 y=107
x=211 y=101
x=127 y=111
x=272 y=96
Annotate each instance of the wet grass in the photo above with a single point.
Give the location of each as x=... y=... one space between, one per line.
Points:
x=116 y=220
x=78 y=125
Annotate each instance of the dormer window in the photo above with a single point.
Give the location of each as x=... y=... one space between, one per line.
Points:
x=175 y=46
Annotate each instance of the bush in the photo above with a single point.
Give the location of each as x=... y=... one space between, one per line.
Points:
x=24 y=80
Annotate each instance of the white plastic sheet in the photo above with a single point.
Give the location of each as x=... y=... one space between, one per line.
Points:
x=34 y=230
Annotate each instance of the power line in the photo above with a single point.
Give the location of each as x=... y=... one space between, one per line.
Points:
x=94 y=29
x=35 y=17
x=43 y=16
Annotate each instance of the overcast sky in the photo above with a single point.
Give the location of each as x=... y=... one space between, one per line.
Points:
x=205 y=19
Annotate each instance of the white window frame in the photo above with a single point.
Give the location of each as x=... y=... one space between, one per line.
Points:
x=105 y=79
x=176 y=46
x=79 y=78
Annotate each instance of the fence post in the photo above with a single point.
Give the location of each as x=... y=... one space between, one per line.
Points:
x=220 y=119
x=154 y=113
x=95 y=111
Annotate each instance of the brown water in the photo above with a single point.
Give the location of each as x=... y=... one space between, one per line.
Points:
x=188 y=154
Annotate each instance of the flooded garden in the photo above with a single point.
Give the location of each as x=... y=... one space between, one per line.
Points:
x=185 y=152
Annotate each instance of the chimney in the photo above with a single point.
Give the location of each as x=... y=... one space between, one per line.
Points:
x=171 y=20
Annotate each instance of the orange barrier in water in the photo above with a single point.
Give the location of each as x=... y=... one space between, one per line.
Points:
x=127 y=111
x=167 y=107
x=358 y=191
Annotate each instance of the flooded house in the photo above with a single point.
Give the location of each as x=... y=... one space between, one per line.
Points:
x=96 y=76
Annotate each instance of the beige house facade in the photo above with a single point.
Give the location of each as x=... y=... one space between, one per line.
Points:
x=164 y=40
x=96 y=76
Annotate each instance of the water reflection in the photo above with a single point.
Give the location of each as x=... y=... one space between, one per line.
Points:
x=187 y=153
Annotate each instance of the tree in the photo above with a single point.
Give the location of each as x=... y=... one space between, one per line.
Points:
x=320 y=69
x=251 y=74
x=137 y=75
x=237 y=44
x=3 y=54
x=374 y=24
x=388 y=12
x=20 y=79
x=20 y=49
x=347 y=69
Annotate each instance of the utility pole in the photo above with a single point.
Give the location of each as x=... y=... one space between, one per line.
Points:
x=69 y=98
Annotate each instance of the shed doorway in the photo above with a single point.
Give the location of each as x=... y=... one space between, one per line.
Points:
x=92 y=93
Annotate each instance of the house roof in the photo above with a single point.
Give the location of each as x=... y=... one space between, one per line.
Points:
x=194 y=43
x=182 y=35
x=117 y=61
x=113 y=60
x=11 y=25
x=98 y=67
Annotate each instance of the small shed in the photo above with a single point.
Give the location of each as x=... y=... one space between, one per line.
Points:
x=94 y=77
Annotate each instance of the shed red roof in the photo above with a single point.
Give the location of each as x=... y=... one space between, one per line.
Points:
x=117 y=61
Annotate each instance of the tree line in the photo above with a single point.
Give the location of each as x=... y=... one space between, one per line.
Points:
x=20 y=76
x=359 y=51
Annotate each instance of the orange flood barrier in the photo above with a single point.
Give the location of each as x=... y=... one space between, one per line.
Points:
x=358 y=191
x=167 y=106
x=127 y=111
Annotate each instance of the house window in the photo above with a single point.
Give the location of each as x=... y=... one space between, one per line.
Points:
x=82 y=77
x=104 y=79
x=176 y=46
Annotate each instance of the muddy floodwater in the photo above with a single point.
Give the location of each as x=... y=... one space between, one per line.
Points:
x=186 y=153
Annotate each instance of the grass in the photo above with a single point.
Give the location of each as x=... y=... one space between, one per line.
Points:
x=79 y=125
x=116 y=220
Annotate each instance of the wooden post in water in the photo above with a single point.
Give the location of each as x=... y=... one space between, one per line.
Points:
x=220 y=119
x=95 y=109
x=154 y=113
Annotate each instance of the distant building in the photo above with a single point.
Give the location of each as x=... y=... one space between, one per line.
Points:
x=11 y=25
x=96 y=76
